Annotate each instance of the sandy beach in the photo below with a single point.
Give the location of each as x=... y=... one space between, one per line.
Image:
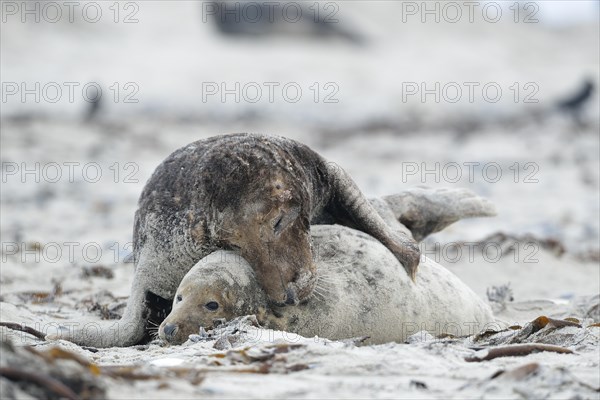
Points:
x=70 y=185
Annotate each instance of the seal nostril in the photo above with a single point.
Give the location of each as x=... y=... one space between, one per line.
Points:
x=290 y=297
x=170 y=329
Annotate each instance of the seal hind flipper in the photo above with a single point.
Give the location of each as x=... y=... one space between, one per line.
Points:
x=426 y=210
x=351 y=208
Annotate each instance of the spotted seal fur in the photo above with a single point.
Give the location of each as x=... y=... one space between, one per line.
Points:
x=359 y=293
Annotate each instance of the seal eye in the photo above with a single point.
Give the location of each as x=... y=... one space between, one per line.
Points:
x=277 y=225
x=212 y=305
x=179 y=298
x=285 y=219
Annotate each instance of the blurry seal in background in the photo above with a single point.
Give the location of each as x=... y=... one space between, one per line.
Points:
x=274 y=19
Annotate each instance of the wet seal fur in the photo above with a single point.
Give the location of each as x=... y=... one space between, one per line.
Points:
x=251 y=193
x=359 y=293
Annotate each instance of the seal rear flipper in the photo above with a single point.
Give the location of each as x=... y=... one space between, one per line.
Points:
x=426 y=210
x=351 y=208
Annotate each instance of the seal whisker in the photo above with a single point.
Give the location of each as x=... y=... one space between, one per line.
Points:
x=318 y=294
x=335 y=266
x=153 y=331
x=326 y=288
x=329 y=273
x=326 y=284
x=333 y=271
x=323 y=289
x=325 y=293
x=329 y=279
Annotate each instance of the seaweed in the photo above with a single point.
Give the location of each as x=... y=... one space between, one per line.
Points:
x=516 y=350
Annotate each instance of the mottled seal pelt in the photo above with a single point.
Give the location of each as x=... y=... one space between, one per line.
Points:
x=254 y=194
x=359 y=293
x=257 y=194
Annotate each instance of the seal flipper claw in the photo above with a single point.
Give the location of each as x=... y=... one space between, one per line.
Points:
x=408 y=253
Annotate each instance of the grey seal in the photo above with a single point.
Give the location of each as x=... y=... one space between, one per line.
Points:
x=254 y=194
x=359 y=293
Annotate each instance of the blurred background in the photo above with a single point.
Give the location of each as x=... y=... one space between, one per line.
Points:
x=499 y=97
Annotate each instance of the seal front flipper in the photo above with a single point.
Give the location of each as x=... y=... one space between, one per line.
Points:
x=146 y=307
x=138 y=325
x=350 y=207
x=127 y=331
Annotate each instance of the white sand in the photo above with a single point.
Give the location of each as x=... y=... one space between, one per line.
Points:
x=102 y=213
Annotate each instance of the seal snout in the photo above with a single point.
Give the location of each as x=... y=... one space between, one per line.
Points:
x=291 y=298
x=170 y=330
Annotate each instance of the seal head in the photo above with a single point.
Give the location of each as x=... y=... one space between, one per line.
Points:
x=221 y=286
x=259 y=201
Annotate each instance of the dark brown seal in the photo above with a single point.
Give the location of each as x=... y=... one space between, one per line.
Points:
x=252 y=193
x=256 y=194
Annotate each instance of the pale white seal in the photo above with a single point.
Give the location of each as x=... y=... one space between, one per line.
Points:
x=361 y=291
